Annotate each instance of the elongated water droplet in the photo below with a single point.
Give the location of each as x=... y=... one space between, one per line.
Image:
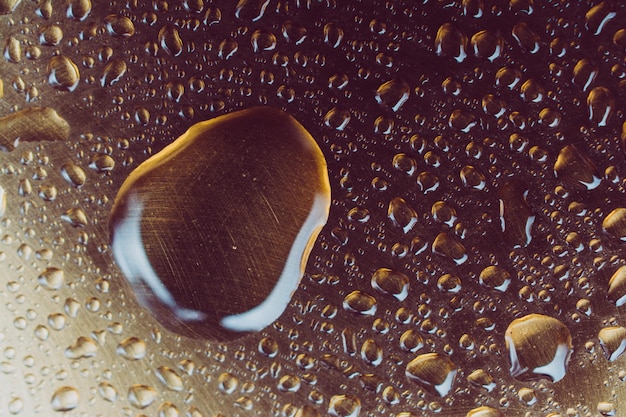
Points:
x=32 y=124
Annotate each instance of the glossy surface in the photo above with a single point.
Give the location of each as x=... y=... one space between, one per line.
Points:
x=475 y=152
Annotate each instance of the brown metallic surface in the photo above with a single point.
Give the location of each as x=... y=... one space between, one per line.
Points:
x=424 y=145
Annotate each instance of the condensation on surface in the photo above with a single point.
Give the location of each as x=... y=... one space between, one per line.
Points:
x=472 y=262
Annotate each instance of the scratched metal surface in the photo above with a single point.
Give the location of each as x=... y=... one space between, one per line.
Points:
x=442 y=122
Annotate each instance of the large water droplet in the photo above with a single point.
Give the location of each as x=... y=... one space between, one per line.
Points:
x=539 y=347
x=32 y=124
x=219 y=246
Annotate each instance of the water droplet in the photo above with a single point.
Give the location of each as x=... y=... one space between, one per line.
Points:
x=393 y=94
x=12 y=50
x=532 y=91
x=78 y=9
x=227 y=383
x=391 y=282
x=84 y=347
x=451 y=42
x=227 y=49
x=74 y=174
x=52 y=278
x=333 y=34
x=263 y=40
x=63 y=73
x=268 y=249
x=251 y=9
x=268 y=347
x=7 y=6
x=411 y=341
x=65 y=399
x=344 y=406
x=107 y=392
x=402 y=214
x=337 y=118
x=576 y=168
x=539 y=347
x=16 y=405
x=371 y=353
x=141 y=396
x=289 y=383
x=516 y=215
x=617 y=285
x=584 y=73
x=598 y=16
x=360 y=303
x=169 y=378
x=495 y=277
x=132 y=348
x=481 y=378
x=487 y=45
x=50 y=35
x=102 y=163
x=118 y=25
x=113 y=72
x=527 y=39
x=30 y=125
x=170 y=40
x=613 y=342
x=448 y=245
x=433 y=371
x=76 y=217
x=472 y=177
x=606 y=408
x=600 y=104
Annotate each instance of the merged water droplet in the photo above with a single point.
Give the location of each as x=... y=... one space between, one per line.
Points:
x=236 y=223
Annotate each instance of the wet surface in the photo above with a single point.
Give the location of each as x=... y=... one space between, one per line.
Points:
x=472 y=262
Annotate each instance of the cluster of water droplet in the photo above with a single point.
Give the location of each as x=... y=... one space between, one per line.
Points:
x=472 y=262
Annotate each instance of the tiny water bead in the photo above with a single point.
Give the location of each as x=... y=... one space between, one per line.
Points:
x=214 y=231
